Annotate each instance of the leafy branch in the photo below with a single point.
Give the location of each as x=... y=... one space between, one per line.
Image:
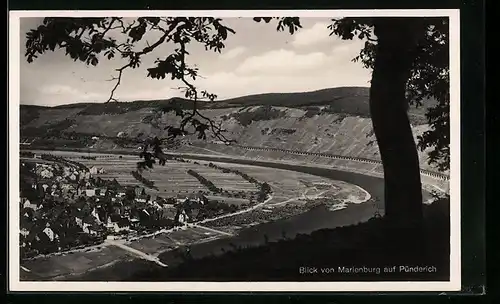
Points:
x=88 y=40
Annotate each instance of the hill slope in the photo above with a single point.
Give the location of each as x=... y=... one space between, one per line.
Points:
x=348 y=100
x=332 y=121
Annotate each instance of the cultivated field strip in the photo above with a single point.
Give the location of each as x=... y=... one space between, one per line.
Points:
x=171 y=178
x=283 y=181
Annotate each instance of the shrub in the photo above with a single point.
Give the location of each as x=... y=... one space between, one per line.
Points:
x=267 y=112
x=312 y=111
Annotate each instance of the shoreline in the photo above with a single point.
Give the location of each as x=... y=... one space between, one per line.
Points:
x=215 y=245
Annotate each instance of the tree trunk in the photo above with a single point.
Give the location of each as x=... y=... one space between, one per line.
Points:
x=388 y=106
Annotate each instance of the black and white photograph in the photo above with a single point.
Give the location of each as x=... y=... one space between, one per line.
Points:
x=234 y=150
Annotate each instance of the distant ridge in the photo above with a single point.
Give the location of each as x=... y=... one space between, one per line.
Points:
x=298 y=99
x=353 y=101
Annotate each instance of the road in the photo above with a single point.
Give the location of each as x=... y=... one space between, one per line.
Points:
x=136 y=252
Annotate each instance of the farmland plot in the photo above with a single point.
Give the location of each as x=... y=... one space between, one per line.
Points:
x=171 y=178
x=283 y=182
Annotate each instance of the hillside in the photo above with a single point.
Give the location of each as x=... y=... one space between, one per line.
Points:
x=348 y=100
x=332 y=121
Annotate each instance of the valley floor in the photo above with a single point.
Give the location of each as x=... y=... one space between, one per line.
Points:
x=293 y=193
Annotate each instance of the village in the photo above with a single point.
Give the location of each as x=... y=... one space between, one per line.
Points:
x=65 y=206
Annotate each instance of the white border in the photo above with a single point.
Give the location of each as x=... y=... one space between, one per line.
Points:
x=14 y=85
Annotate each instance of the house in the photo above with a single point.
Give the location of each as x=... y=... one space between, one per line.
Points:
x=45 y=173
x=117 y=223
x=22 y=241
x=156 y=205
x=95 y=138
x=182 y=218
x=134 y=222
x=79 y=221
x=103 y=191
x=86 y=228
x=50 y=233
x=28 y=213
x=31 y=237
x=199 y=198
x=55 y=193
x=181 y=198
x=58 y=228
x=102 y=214
x=170 y=201
x=81 y=191
x=123 y=224
x=30 y=205
x=66 y=187
x=67 y=171
x=96 y=215
x=90 y=227
x=90 y=192
x=24 y=232
x=93 y=170
x=168 y=211
x=112 y=219
x=72 y=177
x=100 y=171
x=118 y=207
x=139 y=191
x=141 y=199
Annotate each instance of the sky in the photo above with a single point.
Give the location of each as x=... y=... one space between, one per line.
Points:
x=257 y=59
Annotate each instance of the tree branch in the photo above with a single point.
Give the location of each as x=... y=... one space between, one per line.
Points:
x=146 y=50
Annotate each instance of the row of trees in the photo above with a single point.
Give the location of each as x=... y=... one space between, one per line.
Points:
x=148 y=183
x=205 y=182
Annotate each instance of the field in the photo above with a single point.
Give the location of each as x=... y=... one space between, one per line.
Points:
x=171 y=179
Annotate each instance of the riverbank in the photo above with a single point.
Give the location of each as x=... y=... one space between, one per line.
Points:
x=356 y=244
